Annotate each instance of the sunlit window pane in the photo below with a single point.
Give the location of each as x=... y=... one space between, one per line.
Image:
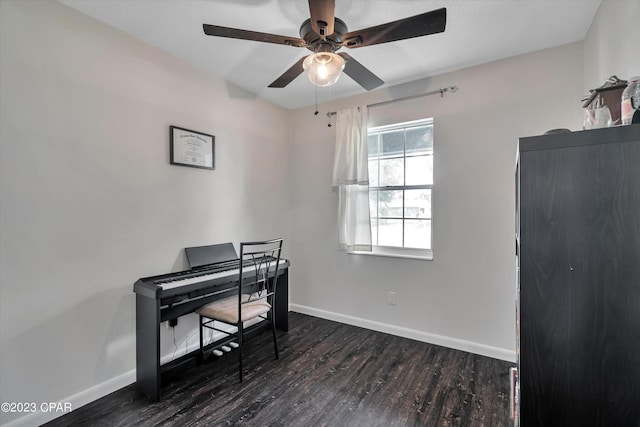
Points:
x=393 y=143
x=391 y=172
x=417 y=233
x=417 y=203
x=390 y=203
x=419 y=170
x=390 y=232
x=419 y=140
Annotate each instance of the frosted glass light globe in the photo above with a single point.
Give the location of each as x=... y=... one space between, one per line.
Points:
x=323 y=68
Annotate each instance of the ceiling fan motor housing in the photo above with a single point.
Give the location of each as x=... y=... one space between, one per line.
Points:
x=318 y=43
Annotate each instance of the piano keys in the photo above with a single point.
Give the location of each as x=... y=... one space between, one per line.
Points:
x=168 y=296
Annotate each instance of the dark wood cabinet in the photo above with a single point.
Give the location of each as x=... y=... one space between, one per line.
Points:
x=579 y=278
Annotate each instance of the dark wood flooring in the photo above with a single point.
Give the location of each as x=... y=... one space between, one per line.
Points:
x=328 y=374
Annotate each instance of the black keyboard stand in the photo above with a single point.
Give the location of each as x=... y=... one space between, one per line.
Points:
x=153 y=306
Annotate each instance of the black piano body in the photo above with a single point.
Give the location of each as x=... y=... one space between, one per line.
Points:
x=168 y=296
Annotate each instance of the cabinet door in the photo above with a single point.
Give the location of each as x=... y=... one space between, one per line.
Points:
x=580 y=286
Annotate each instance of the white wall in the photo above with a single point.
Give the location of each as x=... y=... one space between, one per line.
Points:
x=465 y=297
x=612 y=44
x=89 y=202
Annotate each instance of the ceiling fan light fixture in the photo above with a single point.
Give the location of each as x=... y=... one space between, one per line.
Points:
x=323 y=68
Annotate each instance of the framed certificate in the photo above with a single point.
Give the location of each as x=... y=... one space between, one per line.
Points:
x=191 y=148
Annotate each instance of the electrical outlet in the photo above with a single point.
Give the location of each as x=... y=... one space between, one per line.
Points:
x=391 y=298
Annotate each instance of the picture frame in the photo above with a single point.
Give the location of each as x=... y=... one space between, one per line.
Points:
x=191 y=148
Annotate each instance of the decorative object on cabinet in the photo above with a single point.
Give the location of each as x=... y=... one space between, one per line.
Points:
x=607 y=95
x=556 y=131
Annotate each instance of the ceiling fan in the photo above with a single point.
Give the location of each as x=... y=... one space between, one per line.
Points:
x=324 y=34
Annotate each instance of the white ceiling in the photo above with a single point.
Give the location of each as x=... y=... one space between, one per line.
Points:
x=478 y=31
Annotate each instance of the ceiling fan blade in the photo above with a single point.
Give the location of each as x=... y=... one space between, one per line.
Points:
x=289 y=75
x=360 y=73
x=234 y=33
x=322 y=16
x=414 y=26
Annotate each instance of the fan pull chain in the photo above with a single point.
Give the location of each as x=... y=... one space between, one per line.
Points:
x=316 y=112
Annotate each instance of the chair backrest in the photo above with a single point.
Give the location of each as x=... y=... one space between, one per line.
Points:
x=258 y=262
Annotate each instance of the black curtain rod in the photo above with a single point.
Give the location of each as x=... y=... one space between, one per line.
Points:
x=442 y=91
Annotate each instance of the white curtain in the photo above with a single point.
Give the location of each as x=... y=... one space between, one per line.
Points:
x=351 y=178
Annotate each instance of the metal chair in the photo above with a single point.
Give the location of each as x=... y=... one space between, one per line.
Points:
x=254 y=298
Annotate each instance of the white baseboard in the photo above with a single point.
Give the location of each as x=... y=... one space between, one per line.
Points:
x=469 y=346
x=76 y=401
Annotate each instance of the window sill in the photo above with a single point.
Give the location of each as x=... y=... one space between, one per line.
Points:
x=386 y=251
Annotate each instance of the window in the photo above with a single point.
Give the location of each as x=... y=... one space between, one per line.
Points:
x=400 y=186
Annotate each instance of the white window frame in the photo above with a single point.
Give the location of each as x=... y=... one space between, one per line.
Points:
x=402 y=252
